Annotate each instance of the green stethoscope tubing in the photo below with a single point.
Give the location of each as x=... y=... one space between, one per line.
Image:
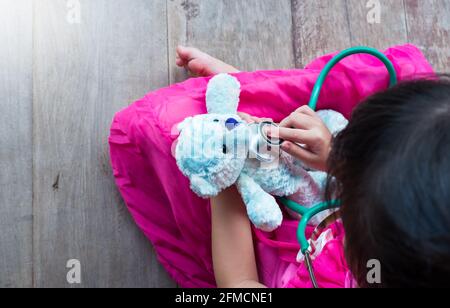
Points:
x=307 y=214
x=344 y=54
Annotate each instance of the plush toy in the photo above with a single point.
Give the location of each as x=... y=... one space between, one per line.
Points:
x=213 y=152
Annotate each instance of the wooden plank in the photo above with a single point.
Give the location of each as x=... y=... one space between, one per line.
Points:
x=320 y=27
x=388 y=31
x=251 y=34
x=84 y=73
x=428 y=24
x=15 y=143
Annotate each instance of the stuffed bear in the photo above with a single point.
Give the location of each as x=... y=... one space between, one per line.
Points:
x=213 y=153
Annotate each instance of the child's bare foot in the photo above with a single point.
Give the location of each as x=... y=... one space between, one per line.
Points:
x=201 y=64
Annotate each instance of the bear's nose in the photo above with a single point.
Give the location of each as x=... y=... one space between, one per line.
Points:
x=231 y=123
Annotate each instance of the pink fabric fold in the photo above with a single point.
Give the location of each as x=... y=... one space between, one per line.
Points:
x=158 y=196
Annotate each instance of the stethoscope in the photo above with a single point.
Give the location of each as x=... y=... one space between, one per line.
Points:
x=308 y=213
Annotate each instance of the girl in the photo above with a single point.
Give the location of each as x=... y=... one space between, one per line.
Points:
x=391 y=169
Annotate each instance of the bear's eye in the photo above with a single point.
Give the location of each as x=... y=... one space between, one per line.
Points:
x=216 y=120
x=224 y=149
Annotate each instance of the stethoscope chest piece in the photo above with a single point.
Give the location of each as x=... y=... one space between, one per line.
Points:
x=262 y=147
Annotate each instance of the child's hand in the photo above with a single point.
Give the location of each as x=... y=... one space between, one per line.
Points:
x=251 y=119
x=304 y=127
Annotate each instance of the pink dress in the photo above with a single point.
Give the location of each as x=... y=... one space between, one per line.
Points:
x=176 y=221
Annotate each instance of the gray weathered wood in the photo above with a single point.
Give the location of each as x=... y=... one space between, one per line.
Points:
x=428 y=24
x=83 y=74
x=326 y=26
x=251 y=34
x=319 y=27
x=389 y=32
x=15 y=143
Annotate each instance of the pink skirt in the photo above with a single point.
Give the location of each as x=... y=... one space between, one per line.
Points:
x=176 y=221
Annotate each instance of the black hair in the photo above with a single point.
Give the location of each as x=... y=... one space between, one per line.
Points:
x=391 y=169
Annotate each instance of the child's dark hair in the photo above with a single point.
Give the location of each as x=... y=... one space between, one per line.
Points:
x=392 y=173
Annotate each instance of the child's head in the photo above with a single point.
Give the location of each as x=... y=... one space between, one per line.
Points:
x=392 y=170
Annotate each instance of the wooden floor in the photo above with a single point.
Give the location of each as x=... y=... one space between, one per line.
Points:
x=62 y=82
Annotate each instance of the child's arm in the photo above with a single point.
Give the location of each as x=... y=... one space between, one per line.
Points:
x=232 y=242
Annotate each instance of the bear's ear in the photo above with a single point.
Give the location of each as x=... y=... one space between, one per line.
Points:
x=222 y=95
